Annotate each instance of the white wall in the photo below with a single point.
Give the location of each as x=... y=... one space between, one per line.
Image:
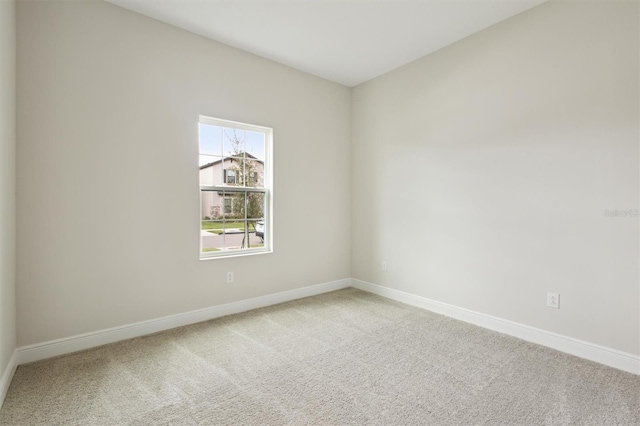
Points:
x=481 y=173
x=7 y=183
x=108 y=99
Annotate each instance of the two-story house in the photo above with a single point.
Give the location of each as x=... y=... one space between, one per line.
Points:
x=231 y=172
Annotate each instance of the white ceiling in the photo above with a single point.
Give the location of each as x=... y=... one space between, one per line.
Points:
x=346 y=41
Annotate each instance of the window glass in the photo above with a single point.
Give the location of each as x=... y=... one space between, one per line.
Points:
x=235 y=190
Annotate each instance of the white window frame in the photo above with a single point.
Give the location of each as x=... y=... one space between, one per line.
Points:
x=267 y=189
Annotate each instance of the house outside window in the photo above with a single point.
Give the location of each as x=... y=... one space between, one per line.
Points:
x=235 y=188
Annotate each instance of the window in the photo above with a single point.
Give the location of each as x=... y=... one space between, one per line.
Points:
x=230 y=176
x=235 y=188
x=228 y=205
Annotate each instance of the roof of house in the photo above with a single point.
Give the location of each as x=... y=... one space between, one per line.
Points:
x=247 y=155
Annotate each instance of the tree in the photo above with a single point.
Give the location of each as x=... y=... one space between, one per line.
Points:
x=247 y=206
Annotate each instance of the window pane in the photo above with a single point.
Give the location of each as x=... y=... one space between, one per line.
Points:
x=254 y=174
x=234 y=205
x=256 y=222
x=222 y=235
x=211 y=172
x=256 y=237
x=254 y=142
x=210 y=205
x=255 y=206
x=210 y=139
x=233 y=142
x=210 y=236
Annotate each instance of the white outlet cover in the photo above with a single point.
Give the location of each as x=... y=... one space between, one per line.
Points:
x=553 y=300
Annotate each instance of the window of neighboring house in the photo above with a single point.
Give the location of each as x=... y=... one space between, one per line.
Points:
x=228 y=205
x=235 y=188
x=230 y=176
x=253 y=178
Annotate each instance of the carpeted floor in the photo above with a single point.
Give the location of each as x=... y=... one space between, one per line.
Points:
x=346 y=357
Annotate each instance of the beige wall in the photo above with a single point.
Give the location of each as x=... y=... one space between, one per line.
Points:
x=481 y=173
x=109 y=98
x=7 y=182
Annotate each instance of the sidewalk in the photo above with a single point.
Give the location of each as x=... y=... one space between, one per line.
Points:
x=205 y=232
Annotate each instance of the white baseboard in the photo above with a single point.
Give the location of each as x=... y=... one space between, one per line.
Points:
x=79 y=342
x=591 y=351
x=7 y=375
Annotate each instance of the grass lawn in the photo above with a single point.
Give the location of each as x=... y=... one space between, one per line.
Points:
x=216 y=227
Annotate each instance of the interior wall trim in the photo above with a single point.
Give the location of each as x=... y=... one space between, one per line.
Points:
x=80 y=342
x=583 y=349
x=7 y=376
x=580 y=348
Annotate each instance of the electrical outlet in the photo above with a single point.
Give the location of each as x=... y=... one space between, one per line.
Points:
x=384 y=265
x=553 y=300
x=229 y=277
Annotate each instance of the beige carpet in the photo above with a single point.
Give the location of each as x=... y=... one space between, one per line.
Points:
x=346 y=357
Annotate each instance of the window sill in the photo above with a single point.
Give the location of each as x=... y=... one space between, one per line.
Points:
x=227 y=254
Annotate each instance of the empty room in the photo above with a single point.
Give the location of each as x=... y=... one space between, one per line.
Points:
x=308 y=212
